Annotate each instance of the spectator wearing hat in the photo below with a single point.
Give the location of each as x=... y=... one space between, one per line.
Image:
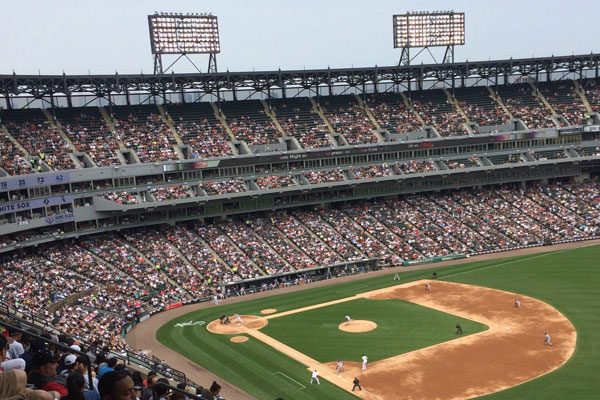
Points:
x=81 y=365
x=44 y=375
x=110 y=366
x=34 y=347
x=69 y=362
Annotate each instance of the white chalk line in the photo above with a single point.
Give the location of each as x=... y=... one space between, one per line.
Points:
x=293 y=380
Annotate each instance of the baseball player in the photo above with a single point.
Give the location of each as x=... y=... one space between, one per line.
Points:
x=356 y=384
x=458 y=329
x=364 y=362
x=547 y=341
x=348 y=319
x=339 y=367
x=238 y=319
x=427 y=286
x=517 y=303
x=315 y=376
x=396 y=277
x=216 y=300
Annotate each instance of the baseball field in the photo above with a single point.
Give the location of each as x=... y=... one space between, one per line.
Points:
x=409 y=335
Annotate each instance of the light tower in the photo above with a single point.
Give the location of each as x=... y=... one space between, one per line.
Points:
x=423 y=29
x=181 y=35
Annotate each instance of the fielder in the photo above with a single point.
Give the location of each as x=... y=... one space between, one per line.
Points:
x=238 y=319
x=427 y=286
x=517 y=303
x=315 y=376
x=547 y=341
x=364 y=362
x=348 y=319
x=396 y=277
x=216 y=300
x=339 y=367
x=458 y=329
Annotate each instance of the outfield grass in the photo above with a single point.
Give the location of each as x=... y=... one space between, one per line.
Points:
x=401 y=327
x=568 y=280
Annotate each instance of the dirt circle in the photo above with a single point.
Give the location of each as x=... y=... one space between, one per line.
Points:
x=239 y=339
x=249 y=322
x=357 y=326
x=268 y=311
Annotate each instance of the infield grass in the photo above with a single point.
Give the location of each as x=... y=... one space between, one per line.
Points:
x=567 y=279
x=401 y=327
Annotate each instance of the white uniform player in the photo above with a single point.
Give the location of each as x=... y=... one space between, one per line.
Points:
x=339 y=367
x=547 y=341
x=216 y=300
x=517 y=303
x=348 y=319
x=396 y=277
x=315 y=376
x=364 y=362
x=238 y=319
x=427 y=286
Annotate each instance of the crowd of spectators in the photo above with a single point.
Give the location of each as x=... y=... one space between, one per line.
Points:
x=275 y=181
x=524 y=106
x=238 y=262
x=43 y=141
x=148 y=136
x=258 y=251
x=121 y=197
x=306 y=240
x=565 y=101
x=324 y=176
x=463 y=163
x=415 y=167
x=206 y=139
x=254 y=131
x=374 y=171
x=233 y=185
x=445 y=117
x=492 y=115
x=391 y=113
x=591 y=88
x=173 y=192
x=300 y=121
x=12 y=161
x=144 y=270
x=89 y=135
x=347 y=118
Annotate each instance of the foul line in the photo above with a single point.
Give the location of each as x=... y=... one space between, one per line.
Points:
x=506 y=263
x=293 y=380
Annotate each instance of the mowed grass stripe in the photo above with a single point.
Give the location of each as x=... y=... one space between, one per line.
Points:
x=568 y=280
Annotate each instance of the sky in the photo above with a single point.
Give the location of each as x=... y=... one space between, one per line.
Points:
x=106 y=36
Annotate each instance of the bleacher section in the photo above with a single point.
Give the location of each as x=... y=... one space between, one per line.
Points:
x=249 y=122
x=348 y=119
x=479 y=106
x=523 y=105
x=434 y=108
x=88 y=132
x=142 y=130
x=566 y=102
x=298 y=119
x=391 y=113
x=198 y=127
x=32 y=130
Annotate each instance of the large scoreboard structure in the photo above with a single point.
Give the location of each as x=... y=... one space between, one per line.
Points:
x=424 y=29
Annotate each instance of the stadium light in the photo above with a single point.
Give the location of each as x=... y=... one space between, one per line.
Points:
x=179 y=34
x=429 y=29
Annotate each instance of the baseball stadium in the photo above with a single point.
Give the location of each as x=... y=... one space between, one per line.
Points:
x=422 y=230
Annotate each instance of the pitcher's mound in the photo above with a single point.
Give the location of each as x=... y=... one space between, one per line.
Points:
x=268 y=311
x=239 y=339
x=358 y=325
x=250 y=322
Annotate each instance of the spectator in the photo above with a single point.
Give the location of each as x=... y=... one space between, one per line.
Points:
x=44 y=375
x=116 y=385
x=213 y=392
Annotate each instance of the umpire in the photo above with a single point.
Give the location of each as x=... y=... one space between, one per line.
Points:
x=356 y=384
